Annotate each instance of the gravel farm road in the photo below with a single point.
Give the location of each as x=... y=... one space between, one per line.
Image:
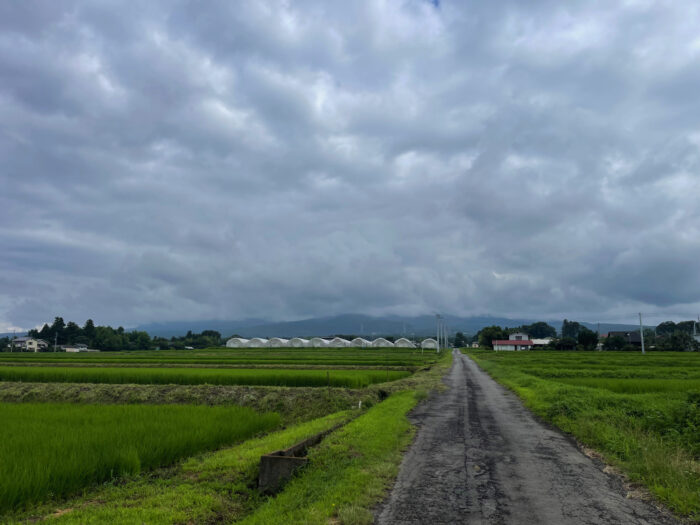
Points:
x=480 y=457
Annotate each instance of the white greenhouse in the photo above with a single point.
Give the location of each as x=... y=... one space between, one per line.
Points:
x=360 y=342
x=339 y=342
x=237 y=342
x=258 y=342
x=318 y=342
x=429 y=343
x=404 y=343
x=278 y=342
x=380 y=342
x=298 y=342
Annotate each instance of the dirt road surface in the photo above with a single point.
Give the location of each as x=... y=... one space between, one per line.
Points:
x=480 y=457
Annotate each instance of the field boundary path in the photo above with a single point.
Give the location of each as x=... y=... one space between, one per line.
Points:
x=480 y=457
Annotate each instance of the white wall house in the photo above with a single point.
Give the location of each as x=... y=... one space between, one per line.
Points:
x=258 y=342
x=360 y=342
x=380 y=342
x=318 y=342
x=429 y=343
x=518 y=336
x=298 y=342
x=278 y=342
x=237 y=342
x=338 y=342
x=512 y=344
x=29 y=344
x=404 y=343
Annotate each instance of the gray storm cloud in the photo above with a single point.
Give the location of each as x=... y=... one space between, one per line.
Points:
x=181 y=160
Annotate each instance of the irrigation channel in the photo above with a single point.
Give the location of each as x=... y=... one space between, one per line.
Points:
x=481 y=457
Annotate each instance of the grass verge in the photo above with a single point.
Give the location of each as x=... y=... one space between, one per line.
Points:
x=349 y=471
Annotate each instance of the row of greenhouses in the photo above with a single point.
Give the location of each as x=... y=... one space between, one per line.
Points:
x=320 y=342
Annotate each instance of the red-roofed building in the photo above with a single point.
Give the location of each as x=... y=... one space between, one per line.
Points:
x=517 y=341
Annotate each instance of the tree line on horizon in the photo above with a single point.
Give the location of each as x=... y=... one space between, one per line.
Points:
x=113 y=339
x=667 y=336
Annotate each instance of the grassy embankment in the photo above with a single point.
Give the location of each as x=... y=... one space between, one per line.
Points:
x=641 y=412
x=51 y=450
x=192 y=376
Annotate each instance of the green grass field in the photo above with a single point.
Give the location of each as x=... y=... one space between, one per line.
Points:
x=642 y=412
x=196 y=376
x=49 y=450
x=242 y=356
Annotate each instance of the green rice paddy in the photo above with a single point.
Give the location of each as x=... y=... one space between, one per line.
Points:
x=50 y=450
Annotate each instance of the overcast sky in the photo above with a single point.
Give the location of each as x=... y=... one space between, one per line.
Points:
x=223 y=160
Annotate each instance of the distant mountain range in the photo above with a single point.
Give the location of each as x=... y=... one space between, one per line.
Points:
x=352 y=324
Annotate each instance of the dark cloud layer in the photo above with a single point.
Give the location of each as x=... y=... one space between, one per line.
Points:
x=174 y=160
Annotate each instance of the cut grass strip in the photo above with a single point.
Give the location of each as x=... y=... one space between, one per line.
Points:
x=194 y=376
x=51 y=450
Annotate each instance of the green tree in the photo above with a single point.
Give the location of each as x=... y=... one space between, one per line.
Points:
x=71 y=332
x=539 y=330
x=89 y=331
x=665 y=328
x=587 y=338
x=489 y=333
x=570 y=329
x=615 y=342
x=57 y=330
x=460 y=341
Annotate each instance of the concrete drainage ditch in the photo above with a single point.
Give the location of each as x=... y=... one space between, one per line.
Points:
x=278 y=467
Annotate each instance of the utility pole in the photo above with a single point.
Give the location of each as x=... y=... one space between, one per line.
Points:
x=437 y=320
x=55 y=340
x=641 y=331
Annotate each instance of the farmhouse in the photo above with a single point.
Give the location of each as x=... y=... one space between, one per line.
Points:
x=516 y=341
x=29 y=344
x=404 y=343
x=631 y=338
